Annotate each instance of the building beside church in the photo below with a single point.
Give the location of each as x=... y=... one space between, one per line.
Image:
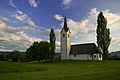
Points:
x=88 y=51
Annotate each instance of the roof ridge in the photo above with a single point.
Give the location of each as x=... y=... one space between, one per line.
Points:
x=83 y=44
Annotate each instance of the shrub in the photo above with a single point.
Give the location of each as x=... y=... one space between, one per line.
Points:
x=16 y=56
x=2 y=57
x=114 y=57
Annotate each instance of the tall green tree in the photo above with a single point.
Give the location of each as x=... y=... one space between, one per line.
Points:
x=39 y=51
x=103 y=35
x=52 y=43
x=44 y=51
x=31 y=52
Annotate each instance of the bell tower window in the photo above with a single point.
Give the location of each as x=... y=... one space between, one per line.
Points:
x=68 y=35
x=63 y=35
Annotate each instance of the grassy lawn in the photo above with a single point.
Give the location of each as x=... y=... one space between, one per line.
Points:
x=61 y=70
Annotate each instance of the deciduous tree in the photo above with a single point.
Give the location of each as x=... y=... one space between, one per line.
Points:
x=39 y=51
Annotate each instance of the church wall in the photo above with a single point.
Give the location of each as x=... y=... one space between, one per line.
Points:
x=63 y=56
x=85 y=57
x=68 y=43
x=79 y=57
x=65 y=45
x=95 y=56
x=89 y=57
x=100 y=57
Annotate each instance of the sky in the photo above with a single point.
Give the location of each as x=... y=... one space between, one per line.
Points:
x=23 y=22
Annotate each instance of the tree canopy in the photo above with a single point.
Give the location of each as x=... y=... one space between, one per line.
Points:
x=52 y=43
x=103 y=35
x=39 y=51
x=16 y=56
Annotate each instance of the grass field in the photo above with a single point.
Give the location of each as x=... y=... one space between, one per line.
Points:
x=61 y=70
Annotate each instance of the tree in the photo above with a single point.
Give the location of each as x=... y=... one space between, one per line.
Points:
x=16 y=56
x=52 y=43
x=2 y=57
x=44 y=51
x=38 y=51
x=103 y=35
x=31 y=52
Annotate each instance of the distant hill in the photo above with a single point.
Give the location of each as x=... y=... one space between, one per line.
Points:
x=5 y=53
x=117 y=53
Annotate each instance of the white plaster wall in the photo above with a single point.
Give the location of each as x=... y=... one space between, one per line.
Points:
x=68 y=43
x=97 y=57
x=100 y=58
x=89 y=58
x=79 y=57
x=65 y=45
x=63 y=55
x=84 y=57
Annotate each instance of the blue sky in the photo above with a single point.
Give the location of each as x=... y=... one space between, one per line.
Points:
x=24 y=21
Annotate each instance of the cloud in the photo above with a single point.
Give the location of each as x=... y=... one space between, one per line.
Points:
x=14 y=38
x=12 y=4
x=4 y=18
x=33 y=3
x=24 y=17
x=58 y=17
x=21 y=15
x=116 y=40
x=66 y=2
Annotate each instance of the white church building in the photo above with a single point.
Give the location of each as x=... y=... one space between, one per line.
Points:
x=88 y=51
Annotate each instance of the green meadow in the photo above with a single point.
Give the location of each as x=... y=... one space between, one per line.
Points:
x=60 y=70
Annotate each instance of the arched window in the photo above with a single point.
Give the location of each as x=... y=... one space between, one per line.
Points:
x=74 y=55
x=68 y=35
x=100 y=55
x=63 y=35
x=90 y=55
x=95 y=56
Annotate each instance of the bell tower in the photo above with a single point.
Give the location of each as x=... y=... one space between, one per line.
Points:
x=65 y=41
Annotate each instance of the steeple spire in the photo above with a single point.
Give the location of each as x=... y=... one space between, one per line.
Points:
x=65 y=24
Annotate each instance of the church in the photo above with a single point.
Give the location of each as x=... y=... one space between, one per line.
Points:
x=88 y=51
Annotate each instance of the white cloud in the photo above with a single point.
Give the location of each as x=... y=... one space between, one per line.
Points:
x=58 y=17
x=12 y=4
x=24 y=17
x=66 y=2
x=14 y=38
x=33 y=3
x=21 y=15
x=4 y=18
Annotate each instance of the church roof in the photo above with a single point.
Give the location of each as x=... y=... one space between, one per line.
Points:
x=65 y=27
x=88 y=48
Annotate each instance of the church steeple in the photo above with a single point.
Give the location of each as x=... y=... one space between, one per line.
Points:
x=65 y=41
x=65 y=27
x=65 y=24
